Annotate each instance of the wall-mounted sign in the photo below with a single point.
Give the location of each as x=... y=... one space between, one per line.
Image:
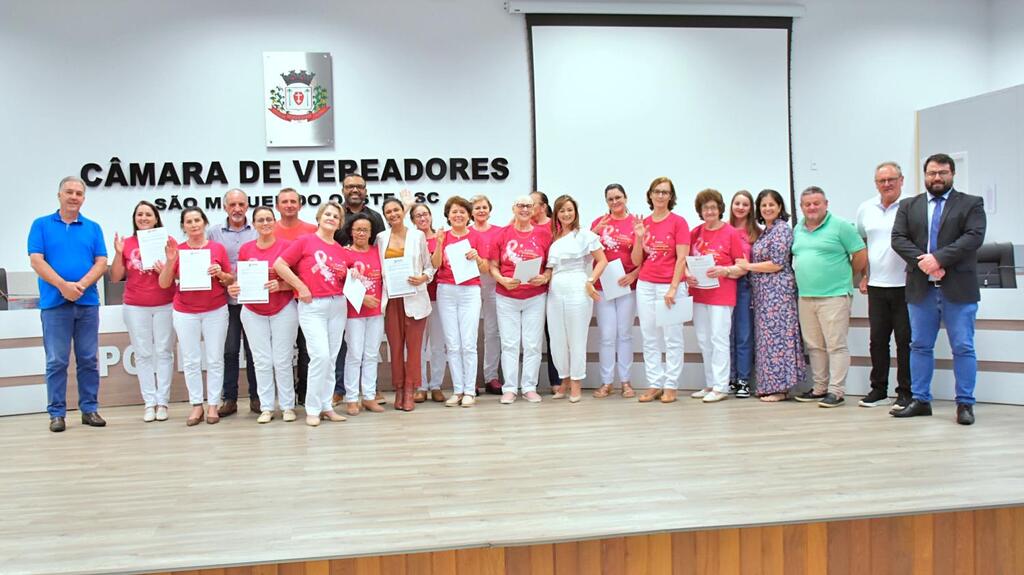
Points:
x=297 y=93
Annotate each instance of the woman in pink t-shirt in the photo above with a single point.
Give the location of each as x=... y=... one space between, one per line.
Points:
x=200 y=315
x=147 y=314
x=615 y=316
x=433 y=340
x=662 y=244
x=520 y=304
x=491 y=355
x=365 y=327
x=712 y=306
x=315 y=266
x=270 y=327
x=458 y=304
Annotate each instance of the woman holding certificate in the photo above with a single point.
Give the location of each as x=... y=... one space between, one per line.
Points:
x=571 y=298
x=721 y=250
x=662 y=244
x=147 y=308
x=200 y=310
x=433 y=341
x=482 y=209
x=615 y=315
x=365 y=326
x=457 y=258
x=517 y=258
x=319 y=270
x=269 y=316
x=405 y=317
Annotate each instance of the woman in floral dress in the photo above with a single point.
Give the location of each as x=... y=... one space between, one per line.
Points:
x=778 y=356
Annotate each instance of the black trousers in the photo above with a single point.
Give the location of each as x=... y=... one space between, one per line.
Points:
x=553 y=378
x=235 y=341
x=887 y=314
x=301 y=368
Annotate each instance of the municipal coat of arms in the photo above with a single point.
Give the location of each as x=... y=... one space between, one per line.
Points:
x=300 y=99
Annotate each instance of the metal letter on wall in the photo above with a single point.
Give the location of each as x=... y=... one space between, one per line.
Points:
x=298 y=99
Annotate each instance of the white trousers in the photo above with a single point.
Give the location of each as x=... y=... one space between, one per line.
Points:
x=362 y=336
x=211 y=327
x=150 y=329
x=492 y=340
x=323 y=323
x=615 y=324
x=520 y=323
x=433 y=351
x=659 y=340
x=713 y=324
x=272 y=341
x=459 y=309
x=569 y=312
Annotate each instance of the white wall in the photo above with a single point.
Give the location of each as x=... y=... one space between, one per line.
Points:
x=1006 y=21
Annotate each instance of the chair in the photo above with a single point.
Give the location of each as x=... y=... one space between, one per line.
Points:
x=995 y=266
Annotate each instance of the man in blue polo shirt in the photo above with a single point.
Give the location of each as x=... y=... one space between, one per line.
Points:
x=827 y=252
x=67 y=251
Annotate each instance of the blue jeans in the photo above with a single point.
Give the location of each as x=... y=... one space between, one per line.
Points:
x=742 y=337
x=925 y=319
x=61 y=325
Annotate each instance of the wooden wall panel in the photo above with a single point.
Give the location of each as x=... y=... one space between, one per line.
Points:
x=988 y=541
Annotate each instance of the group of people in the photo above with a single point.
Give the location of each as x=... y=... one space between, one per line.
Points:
x=778 y=292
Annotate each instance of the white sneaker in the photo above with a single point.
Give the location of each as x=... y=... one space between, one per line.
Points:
x=288 y=415
x=265 y=417
x=149 y=414
x=713 y=396
x=508 y=398
x=700 y=393
x=468 y=400
x=453 y=401
x=532 y=397
x=161 y=413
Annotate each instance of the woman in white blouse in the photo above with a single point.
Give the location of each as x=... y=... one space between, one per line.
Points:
x=571 y=295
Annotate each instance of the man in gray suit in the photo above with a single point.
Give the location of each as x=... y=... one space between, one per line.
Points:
x=938 y=234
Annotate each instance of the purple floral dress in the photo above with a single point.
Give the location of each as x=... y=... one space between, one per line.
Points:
x=778 y=349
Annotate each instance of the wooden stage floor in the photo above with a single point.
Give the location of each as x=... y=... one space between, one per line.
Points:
x=137 y=497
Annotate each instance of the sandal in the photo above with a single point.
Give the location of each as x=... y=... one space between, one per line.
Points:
x=603 y=391
x=773 y=398
x=627 y=391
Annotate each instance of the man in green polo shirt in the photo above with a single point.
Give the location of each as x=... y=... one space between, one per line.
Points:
x=827 y=252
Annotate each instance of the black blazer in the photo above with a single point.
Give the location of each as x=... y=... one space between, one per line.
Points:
x=961 y=233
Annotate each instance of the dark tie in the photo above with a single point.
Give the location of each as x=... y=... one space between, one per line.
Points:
x=933 y=232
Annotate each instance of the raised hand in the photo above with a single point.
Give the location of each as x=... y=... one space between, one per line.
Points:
x=118 y=243
x=171 y=250
x=639 y=229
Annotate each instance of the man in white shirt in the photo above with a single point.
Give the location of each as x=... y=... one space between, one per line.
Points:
x=884 y=283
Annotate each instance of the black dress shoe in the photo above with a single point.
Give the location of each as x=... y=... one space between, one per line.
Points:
x=93 y=419
x=57 y=424
x=229 y=407
x=964 y=414
x=254 y=404
x=915 y=408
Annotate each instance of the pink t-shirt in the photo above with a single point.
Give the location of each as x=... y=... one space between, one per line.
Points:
x=727 y=244
x=617 y=238
x=292 y=234
x=320 y=265
x=476 y=241
x=512 y=247
x=204 y=300
x=141 y=288
x=368 y=269
x=660 y=247
x=489 y=237
x=250 y=252
x=432 y=286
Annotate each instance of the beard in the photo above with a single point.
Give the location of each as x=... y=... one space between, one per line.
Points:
x=940 y=188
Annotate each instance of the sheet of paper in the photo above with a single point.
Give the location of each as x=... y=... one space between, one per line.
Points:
x=679 y=313
x=396 y=273
x=698 y=267
x=610 y=288
x=527 y=270
x=252 y=277
x=192 y=270
x=354 y=291
x=151 y=246
x=463 y=269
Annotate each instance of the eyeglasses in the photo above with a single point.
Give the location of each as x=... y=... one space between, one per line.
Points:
x=360 y=231
x=886 y=181
x=355 y=186
x=942 y=173
x=264 y=220
x=521 y=206
x=661 y=193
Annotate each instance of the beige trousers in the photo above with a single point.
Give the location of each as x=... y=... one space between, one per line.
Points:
x=825 y=323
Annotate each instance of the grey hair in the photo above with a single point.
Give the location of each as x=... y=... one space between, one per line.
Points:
x=67 y=179
x=890 y=164
x=812 y=190
x=233 y=190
